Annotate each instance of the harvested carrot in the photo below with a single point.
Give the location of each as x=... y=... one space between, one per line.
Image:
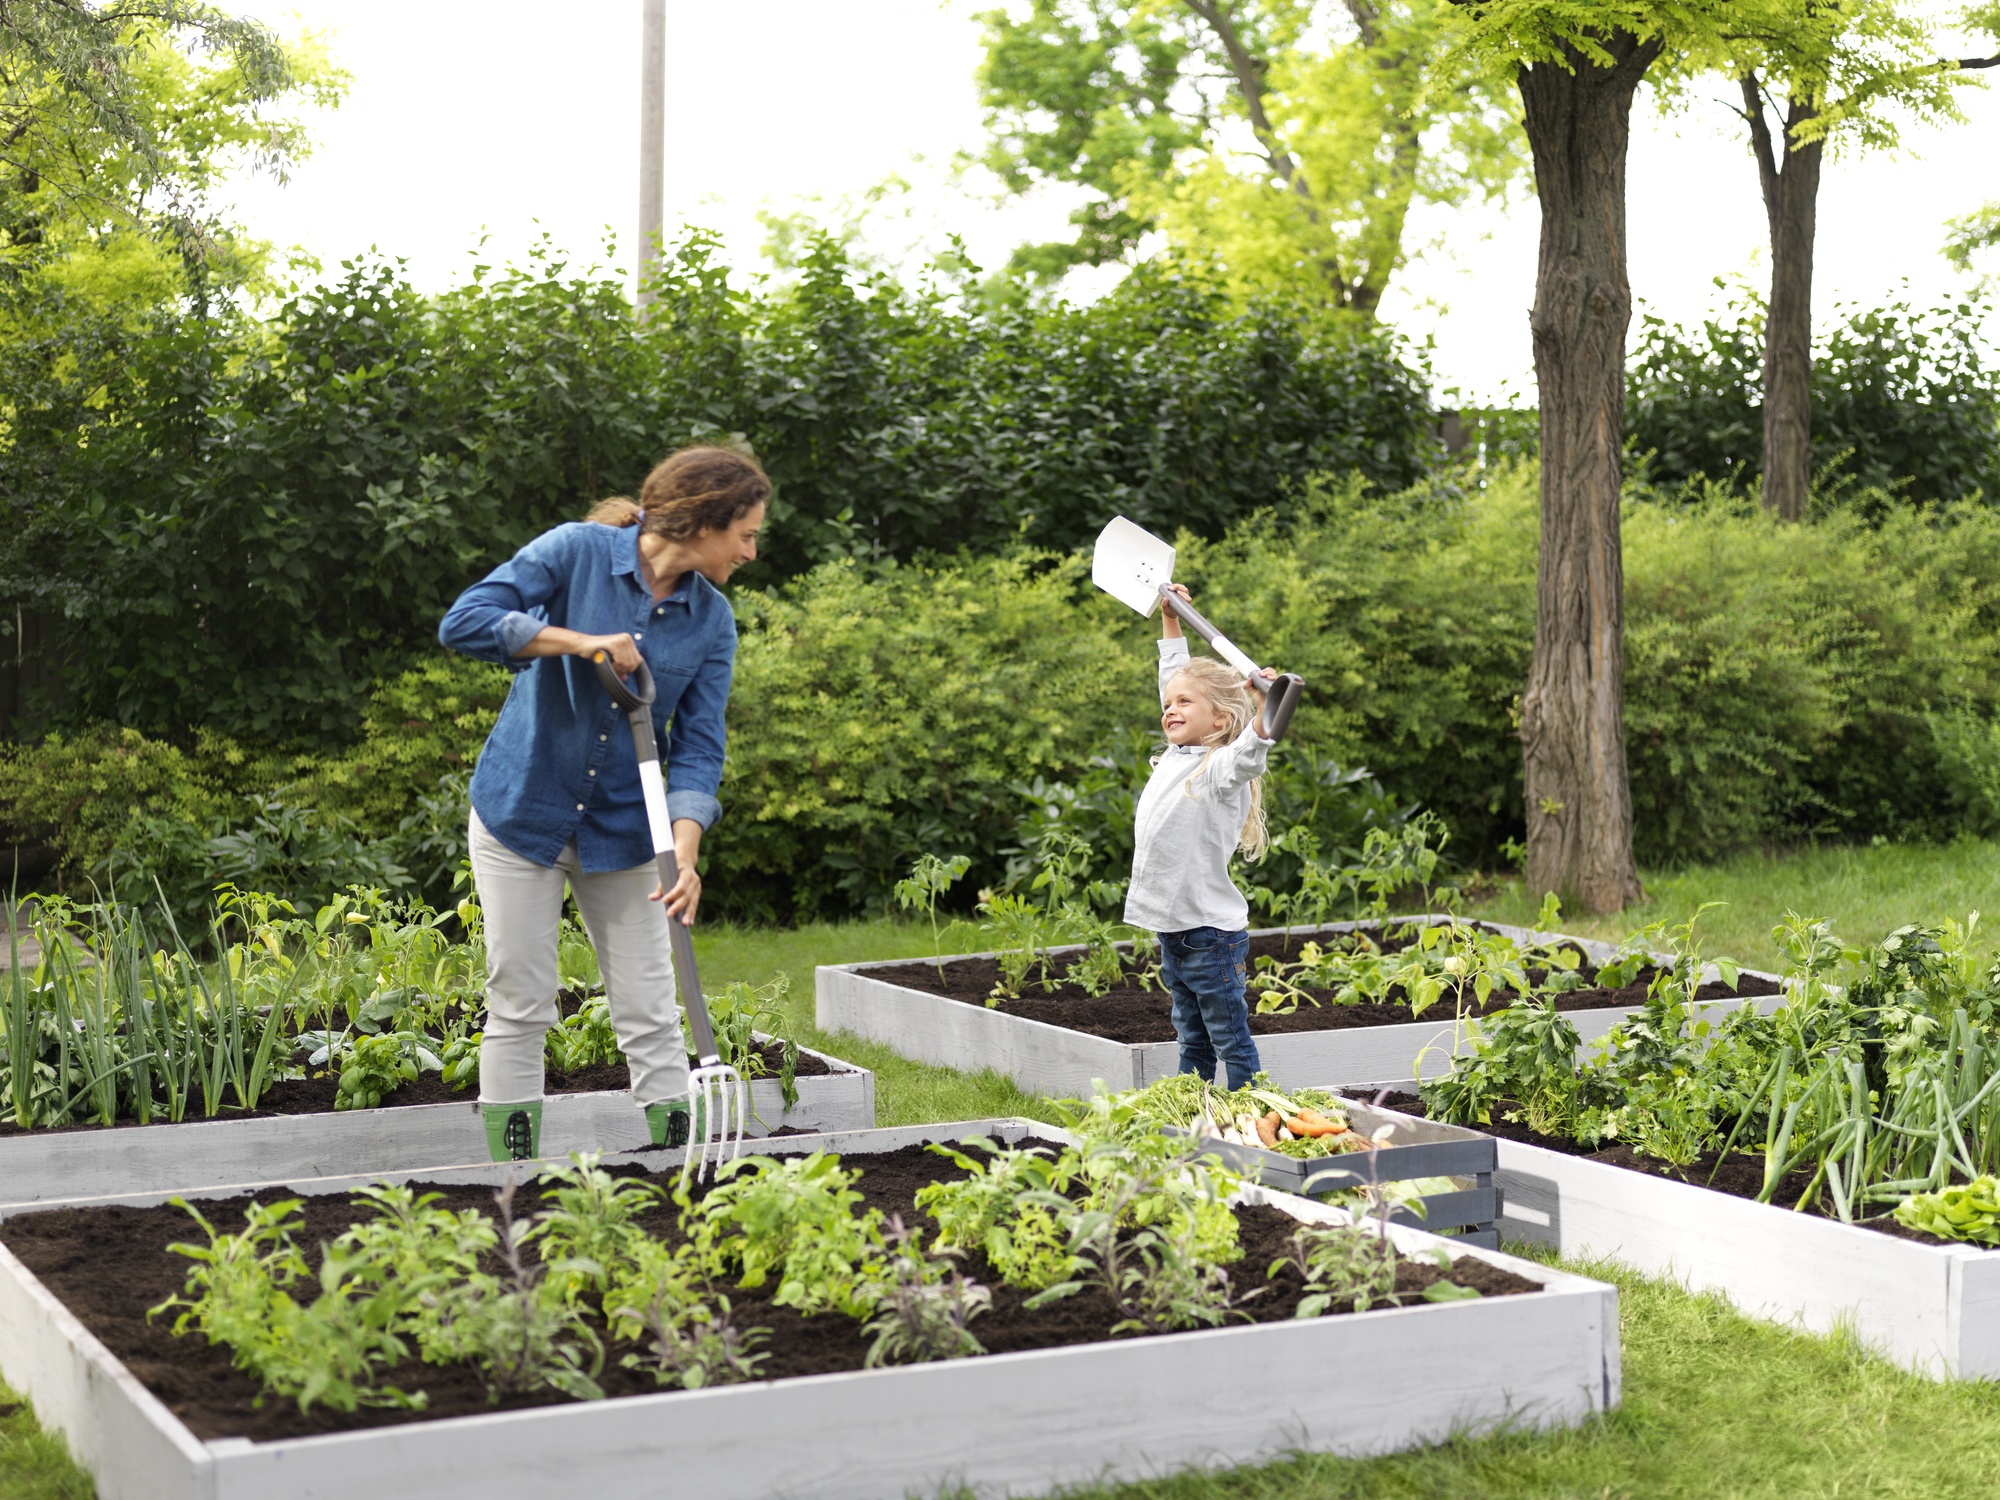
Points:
x=1267 y=1128
x=1298 y=1125
x=1314 y=1118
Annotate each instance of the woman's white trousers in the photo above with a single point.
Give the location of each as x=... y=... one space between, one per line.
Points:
x=523 y=903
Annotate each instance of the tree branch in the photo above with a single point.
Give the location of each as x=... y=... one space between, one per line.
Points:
x=1367 y=18
x=1980 y=62
x=1761 y=143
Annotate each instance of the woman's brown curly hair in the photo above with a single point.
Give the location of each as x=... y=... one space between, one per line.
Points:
x=689 y=492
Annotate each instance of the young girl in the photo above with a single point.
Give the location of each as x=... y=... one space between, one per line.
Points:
x=1203 y=803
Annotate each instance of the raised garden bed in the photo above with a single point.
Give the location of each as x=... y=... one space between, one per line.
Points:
x=1063 y=1044
x=1928 y=1304
x=1022 y=1421
x=93 y=1160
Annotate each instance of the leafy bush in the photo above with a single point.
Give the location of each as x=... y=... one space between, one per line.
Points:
x=880 y=710
x=1840 y=677
x=79 y=793
x=1904 y=402
x=391 y=811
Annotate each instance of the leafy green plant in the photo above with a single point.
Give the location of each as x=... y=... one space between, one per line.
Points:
x=1020 y=937
x=1969 y=1212
x=930 y=877
x=1102 y=965
x=793 y=1218
x=591 y=1230
x=460 y=1059
x=374 y=1067
x=740 y=1012
x=694 y=1345
x=327 y=1350
x=1009 y=1205
x=1342 y=1265
x=519 y=1337
x=1158 y=1267
x=584 y=1039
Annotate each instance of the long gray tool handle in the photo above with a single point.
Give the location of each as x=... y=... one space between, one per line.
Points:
x=653 y=786
x=686 y=976
x=1222 y=645
x=1281 y=695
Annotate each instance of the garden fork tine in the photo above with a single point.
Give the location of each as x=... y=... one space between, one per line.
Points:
x=718 y=1098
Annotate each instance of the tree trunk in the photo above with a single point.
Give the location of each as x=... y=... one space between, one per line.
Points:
x=1579 y=800
x=1790 y=179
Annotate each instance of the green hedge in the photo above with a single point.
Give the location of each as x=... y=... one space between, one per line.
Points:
x=284 y=507
x=1782 y=681
x=1905 y=401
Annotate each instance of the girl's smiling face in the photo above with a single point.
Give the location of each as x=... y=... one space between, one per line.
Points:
x=1187 y=717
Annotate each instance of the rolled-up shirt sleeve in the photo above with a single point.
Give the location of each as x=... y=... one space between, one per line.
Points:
x=1242 y=760
x=1173 y=656
x=492 y=620
x=699 y=738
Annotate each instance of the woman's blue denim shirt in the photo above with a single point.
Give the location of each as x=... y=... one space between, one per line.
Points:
x=559 y=764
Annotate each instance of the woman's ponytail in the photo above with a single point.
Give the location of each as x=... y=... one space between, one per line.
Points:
x=619 y=510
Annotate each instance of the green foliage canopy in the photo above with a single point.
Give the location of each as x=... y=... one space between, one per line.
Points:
x=1282 y=139
x=115 y=121
x=283 y=508
x=1840 y=677
x=1905 y=402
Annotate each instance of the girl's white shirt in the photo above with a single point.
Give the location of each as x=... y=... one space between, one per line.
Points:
x=1186 y=833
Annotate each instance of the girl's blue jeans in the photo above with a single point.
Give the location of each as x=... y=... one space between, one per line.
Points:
x=1204 y=969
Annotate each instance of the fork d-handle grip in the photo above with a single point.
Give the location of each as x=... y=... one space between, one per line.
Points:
x=1281 y=696
x=622 y=693
x=1221 y=644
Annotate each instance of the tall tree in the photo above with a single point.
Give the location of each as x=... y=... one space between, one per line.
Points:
x=1284 y=140
x=1835 y=74
x=115 y=120
x=1578 y=64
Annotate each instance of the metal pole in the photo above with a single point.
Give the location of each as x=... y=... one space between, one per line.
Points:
x=652 y=141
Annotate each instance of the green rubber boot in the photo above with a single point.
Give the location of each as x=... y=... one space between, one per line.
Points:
x=513 y=1131
x=668 y=1123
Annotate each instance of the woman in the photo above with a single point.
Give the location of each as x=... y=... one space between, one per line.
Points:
x=556 y=798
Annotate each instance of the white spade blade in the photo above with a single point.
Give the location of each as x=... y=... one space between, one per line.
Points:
x=1130 y=564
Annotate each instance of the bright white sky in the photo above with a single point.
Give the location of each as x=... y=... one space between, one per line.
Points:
x=509 y=119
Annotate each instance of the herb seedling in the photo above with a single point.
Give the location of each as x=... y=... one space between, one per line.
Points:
x=923 y=1306
x=929 y=878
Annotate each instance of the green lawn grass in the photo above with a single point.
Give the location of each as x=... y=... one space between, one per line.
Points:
x=1864 y=892
x=1715 y=1405
x=33 y=1464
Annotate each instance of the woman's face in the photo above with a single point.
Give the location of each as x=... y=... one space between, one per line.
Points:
x=719 y=553
x=1187 y=717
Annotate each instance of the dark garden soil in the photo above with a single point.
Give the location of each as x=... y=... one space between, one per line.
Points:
x=109 y=1265
x=312 y=1096
x=1741 y=1175
x=1131 y=1014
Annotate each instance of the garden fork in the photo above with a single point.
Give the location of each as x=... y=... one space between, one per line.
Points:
x=718 y=1099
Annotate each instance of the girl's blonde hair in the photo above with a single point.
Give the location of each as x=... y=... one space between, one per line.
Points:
x=1222 y=686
